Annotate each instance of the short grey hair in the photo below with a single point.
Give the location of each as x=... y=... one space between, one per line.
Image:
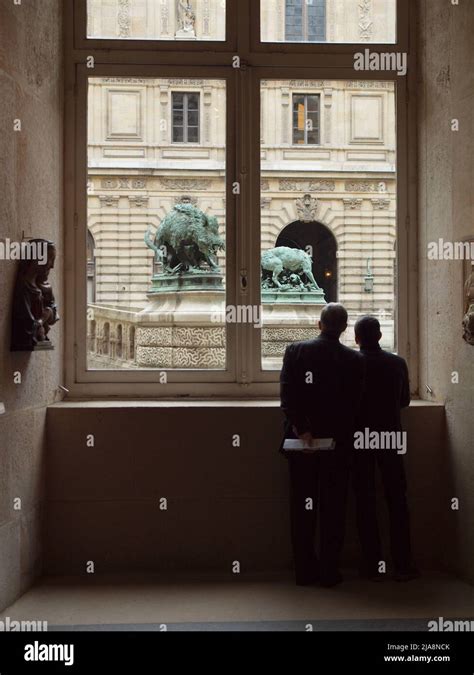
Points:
x=334 y=318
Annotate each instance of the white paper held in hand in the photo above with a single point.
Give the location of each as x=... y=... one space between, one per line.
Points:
x=294 y=444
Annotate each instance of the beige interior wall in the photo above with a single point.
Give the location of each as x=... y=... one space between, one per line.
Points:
x=225 y=502
x=31 y=203
x=103 y=502
x=446 y=209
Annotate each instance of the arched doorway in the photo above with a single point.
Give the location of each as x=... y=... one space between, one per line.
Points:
x=324 y=246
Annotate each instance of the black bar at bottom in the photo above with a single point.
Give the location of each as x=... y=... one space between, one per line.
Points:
x=152 y=652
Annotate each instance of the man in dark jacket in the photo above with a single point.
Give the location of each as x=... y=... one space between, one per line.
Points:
x=386 y=392
x=321 y=385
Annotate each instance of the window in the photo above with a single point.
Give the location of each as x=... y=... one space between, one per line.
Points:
x=190 y=167
x=305 y=21
x=305 y=119
x=185 y=117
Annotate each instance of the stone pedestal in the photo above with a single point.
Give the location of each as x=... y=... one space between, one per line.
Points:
x=191 y=281
x=182 y=34
x=286 y=321
x=276 y=297
x=180 y=327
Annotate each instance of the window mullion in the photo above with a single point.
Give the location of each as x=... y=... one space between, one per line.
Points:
x=185 y=118
x=306 y=119
x=247 y=136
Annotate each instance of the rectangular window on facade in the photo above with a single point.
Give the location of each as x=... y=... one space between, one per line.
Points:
x=329 y=21
x=305 y=119
x=185 y=117
x=305 y=21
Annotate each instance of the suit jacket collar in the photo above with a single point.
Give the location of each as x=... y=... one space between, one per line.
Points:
x=328 y=337
x=371 y=350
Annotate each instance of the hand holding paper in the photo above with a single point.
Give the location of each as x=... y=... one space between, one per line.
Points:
x=308 y=445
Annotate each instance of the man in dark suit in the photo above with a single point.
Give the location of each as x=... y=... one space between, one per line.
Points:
x=321 y=384
x=386 y=392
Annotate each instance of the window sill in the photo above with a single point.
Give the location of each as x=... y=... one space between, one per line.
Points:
x=196 y=403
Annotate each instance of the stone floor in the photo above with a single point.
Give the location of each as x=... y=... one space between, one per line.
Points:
x=103 y=602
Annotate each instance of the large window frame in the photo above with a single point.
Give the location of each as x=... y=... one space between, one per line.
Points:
x=243 y=376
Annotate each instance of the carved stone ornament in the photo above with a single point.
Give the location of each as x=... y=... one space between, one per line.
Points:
x=124 y=19
x=364 y=186
x=109 y=200
x=307 y=185
x=186 y=20
x=381 y=204
x=186 y=199
x=306 y=208
x=468 y=321
x=138 y=200
x=365 y=21
x=185 y=184
x=352 y=203
x=34 y=307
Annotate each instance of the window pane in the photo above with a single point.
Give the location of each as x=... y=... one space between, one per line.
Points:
x=178 y=101
x=193 y=119
x=328 y=218
x=334 y=21
x=312 y=123
x=156 y=19
x=156 y=217
x=299 y=117
x=193 y=101
x=313 y=103
x=294 y=20
x=316 y=20
x=193 y=135
x=178 y=134
x=298 y=100
x=298 y=137
x=313 y=137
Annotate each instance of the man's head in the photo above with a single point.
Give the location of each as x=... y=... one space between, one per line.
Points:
x=333 y=319
x=367 y=331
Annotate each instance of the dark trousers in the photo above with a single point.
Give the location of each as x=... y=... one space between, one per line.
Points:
x=323 y=478
x=394 y=483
